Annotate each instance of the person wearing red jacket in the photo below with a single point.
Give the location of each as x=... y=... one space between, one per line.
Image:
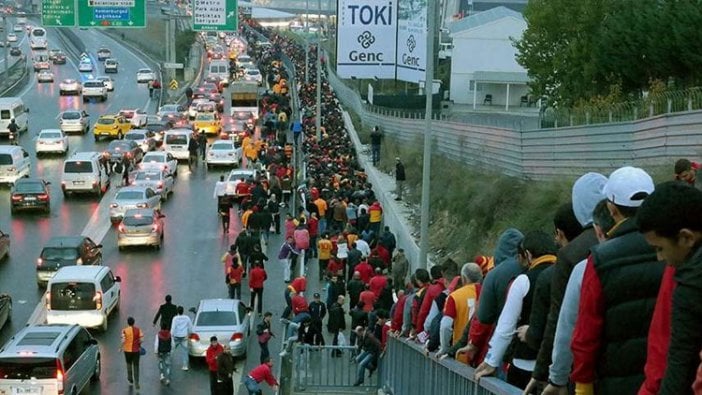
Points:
x=211 y=358
x=368 y=298
x=432 y=292
x=365 y=270
x=397 y=311
x=260 y=374
x=257 y=277
x=299 y=304
x=378 y=282
x=384 y=255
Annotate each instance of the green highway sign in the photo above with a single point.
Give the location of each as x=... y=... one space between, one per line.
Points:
x=58 y=13
x=217 y=15
x=112 y=13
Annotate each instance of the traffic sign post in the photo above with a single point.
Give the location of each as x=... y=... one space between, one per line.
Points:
x=215 y=15
x=173 y=65
x=173 y=85
x=58 y=13
x=111 y=13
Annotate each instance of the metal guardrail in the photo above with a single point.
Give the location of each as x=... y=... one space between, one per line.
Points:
x=333 y=369
x=407 y=371
x=22 y=64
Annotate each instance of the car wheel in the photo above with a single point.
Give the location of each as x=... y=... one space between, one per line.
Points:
x=96 y=370
x=118 y=301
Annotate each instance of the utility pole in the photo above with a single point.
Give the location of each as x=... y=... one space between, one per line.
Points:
x=426 y=160
x=318 y=116
x=307 y=42
x=6 y=70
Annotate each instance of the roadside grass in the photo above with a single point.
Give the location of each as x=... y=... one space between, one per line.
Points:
x=470 y=207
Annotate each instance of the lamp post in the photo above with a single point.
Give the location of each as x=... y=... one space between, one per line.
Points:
x=426 y=160
x=307 y=42
x=318 y=116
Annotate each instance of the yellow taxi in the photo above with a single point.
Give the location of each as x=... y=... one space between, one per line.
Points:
x=209 y=122
x=112 y=126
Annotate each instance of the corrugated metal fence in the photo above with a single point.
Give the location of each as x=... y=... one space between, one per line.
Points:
x=545 y=153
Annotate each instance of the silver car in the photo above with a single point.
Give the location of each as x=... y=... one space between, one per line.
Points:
x=108 y=81
x=160 y=160
x=144 y=138
x=133 y=197
x=140 y=227
x=70 y=86
x=74 y=121
x=223 y=152
x=228 y=319
x=158 y=180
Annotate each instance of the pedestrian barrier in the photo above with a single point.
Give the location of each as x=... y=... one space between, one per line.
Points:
x=408 y=371
x=321 y=369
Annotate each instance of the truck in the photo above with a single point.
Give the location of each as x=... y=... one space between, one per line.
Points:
x=244 y=100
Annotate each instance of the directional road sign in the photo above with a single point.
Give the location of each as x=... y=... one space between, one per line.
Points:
x=173 y=65
x=111 y=13
x=58 y=13
x=217 y=15
x=173 y=85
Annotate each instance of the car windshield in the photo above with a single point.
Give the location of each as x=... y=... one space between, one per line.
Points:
x=216 y=318
x=29 y=187
x=55 y=253
x=176 y=139
x=142 y=175
x=135 y=136
x=25 y=368
x=106 y=121
x=222 y=146
x=71 y=115
x=205 y=117
x=239 y=176
x=50 y=135
x=130 y=195
x=138 y=220
x=144 y=71
x=72 y=296
x=77 y=167
x=153 y=158
x=69 y=82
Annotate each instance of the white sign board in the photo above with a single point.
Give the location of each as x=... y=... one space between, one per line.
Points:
x=370 y=94
x=173 y=65
x=412 y=40
x=366 y=38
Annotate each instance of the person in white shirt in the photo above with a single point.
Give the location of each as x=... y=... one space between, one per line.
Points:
x=220 y=189
x=181 y=328
x=362 y=246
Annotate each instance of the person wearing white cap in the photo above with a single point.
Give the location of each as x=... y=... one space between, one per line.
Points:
x=618 y=294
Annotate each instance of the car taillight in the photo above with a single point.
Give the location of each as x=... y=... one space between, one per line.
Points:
x=194 y=337
x=114 y=205
x=48 y=301
x=39 y=261
x=98 y=300
x=43 y=196
x=16 y=198
x=141 y=205
x=237 y=337
x=59 y=378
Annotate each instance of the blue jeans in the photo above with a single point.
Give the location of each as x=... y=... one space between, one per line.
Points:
x=164 y=365
x=252 y=386
x=375 y=153
x=364 y=360
x=182 y=343
x=297 y=319
x=321 y=226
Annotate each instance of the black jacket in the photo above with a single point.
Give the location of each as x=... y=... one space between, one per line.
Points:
x=355 y=287
x=358 y=318
x=686 y=333
x=166 y=312
x=539 y=309
x=568 y=256
x=336 y=320
x=317 y=311
x=399 y=171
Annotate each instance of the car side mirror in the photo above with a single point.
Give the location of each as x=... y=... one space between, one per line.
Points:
x=192 y=310
x=118 y=279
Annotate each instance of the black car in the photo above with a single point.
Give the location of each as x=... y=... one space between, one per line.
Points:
x=5 y=309
x=103 y=53
x=15 y=51
x=59 y=58
x=66 y=251
x=118 y=148
x=30 y=194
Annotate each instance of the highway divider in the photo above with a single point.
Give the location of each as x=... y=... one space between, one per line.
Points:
x=18 y=75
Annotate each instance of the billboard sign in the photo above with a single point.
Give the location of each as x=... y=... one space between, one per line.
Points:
x=412 y=40
x=366 y=38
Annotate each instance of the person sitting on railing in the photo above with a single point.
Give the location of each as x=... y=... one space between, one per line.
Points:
x=371 y=349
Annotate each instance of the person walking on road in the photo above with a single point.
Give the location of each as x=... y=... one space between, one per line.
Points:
x=163 y=345
x=225 y=212
x=166 y=312
x=336 y=322
x=220 y=190
x=376 y=137
x=399 y=178
x=193 y=148
x=202 y=143
x=285 y=255
x=211 y=358
x=132 y=337
x=257 y=277
x=318 y=310
x=259 y=374
x=225 y=371
x=234 y=275
x=263 y=331
x=181 y=328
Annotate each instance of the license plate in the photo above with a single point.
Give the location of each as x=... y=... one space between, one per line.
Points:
x=78 y=182
x=27 y=391
x=177 y=147
x=105 y=133
x=30 y=198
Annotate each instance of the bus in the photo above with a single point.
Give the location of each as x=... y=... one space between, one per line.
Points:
x=37 y=38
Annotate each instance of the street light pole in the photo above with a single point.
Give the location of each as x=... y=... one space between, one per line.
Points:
x=426 y=167
x=307 y=42
x=6 y=70
x=318 y=116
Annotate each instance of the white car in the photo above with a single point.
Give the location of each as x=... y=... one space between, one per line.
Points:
x=51 y=140
x=11 y=37
x=145 y=138
x=193 y=109
x=253 y=75
x=109 y=83
x=45 y=76
x=70 y=86
x=227 y=319
x=74 y=121
x=235 y=177
x=160 y=160
x=223 y=152
x=145 y=75
x=142 y=227
x=85 y=66
x=133 y=197
x=18 y=29
x=170 y=109
x=158 y=180
x=136 y=117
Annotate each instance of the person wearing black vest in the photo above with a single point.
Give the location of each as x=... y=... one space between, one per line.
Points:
x=618 y=295
x=162 y=348
x=536 y=253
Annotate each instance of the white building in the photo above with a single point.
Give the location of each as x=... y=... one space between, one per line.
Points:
x=484 y=69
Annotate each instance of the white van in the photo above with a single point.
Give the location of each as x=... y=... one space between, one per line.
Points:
x=82 y=172
x=83 y=295
x=14 y=163
x=176 y=141
x=219 y=69
x=13 y=108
